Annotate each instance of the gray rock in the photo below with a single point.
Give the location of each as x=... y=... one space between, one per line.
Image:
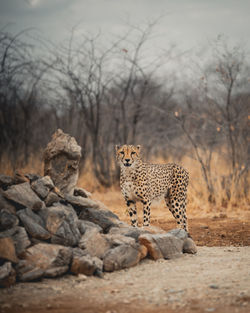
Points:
x=56 y=271
x=61 y=160
x=118 y=240
x=82 y=192
x=51 y=198
x=104 y=218
x=6 y=181
x=46 y=256
x=33 y=228
x=85 y=264
x=7 y=275
x=8 y=233
x=61 y=222
x=179 y=233
x=128 y=231
x=84 y=226
x=189 y=246
x=123 y=256
x=79 y=203
x=7 y=220
x=32 y=177
x=7 y=250
x=23 y=195
x=6 y=204
x=34 y=274
x=35 y=216
x=21 y=241
x=94 y=243
x=162 y=245
x=42 y=186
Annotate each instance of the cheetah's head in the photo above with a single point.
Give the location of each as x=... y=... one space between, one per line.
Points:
x=128 y=155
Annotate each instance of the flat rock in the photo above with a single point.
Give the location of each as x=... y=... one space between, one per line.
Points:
x=189 y=246
x=7 y=275
x=46 y=256
x=82 y=192
x=79 y=202
x=23 y=195
x=56 y=271
x=123 y=256
x=7 y=220
x=33 y=228
x=179 y=233
x=128 y=231
x=42 y=186
x=160 y=246
x=118 y=239
x=34 y=274
x=104 y=218
x=7 y=250
x=61 y=222
x=94 y=243
x=61 y=161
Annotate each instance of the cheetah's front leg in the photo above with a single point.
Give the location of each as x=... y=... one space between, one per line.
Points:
x=146 y=213
x=132 y=212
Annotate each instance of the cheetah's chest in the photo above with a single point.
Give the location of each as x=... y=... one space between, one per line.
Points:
x=128 y=190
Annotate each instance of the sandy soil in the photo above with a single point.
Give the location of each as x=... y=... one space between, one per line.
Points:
x=217 y=279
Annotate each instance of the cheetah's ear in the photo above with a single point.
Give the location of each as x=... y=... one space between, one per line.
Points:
x=117 y=147
x=138 y=148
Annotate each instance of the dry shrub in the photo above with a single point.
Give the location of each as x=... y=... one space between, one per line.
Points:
x=198 y=203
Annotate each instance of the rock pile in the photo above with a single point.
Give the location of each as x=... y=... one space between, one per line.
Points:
x=49 y=227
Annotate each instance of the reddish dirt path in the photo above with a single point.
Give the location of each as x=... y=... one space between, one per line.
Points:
x=214 y=231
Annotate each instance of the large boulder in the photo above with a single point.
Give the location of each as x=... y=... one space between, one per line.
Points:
x=61 y=160
x=24 y=196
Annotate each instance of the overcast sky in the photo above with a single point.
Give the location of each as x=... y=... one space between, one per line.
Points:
x=187 y=23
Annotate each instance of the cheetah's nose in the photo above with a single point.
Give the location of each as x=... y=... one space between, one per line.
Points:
x=127 y=160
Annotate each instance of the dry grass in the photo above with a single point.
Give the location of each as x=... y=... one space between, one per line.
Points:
x=198 y=204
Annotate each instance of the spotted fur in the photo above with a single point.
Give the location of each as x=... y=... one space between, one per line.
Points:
x=145 y=182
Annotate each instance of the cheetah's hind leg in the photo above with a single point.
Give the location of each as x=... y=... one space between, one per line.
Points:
x=176 y=203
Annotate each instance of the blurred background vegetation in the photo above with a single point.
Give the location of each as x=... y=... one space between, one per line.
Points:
x=107 y=94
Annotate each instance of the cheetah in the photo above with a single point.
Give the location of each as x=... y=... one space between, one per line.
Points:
x=145 y=182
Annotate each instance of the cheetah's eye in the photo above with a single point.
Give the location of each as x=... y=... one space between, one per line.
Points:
x=132 y=152
x=122 y=152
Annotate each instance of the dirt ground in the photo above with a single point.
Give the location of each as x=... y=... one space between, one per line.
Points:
x=216 y=279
